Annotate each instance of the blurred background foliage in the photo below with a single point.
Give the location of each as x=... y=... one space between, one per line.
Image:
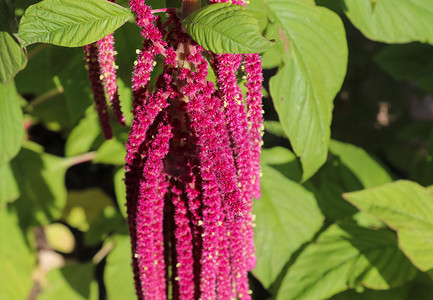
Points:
x=62 y=212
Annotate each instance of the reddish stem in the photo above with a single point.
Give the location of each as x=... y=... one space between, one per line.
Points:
x=154 y=11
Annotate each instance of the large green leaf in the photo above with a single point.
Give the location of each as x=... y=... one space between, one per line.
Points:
x=349 y=169
x=70 y=23
x=118 y=276
x=408 y=208
x=73 y=78
x=73 y=282
x=413 y=62
x=284 y=161
x=8 y=186
x=11 y=123
x=226 y=28
x=40 y=178
x=369 y=172
x=111 y=152
x=16 y=259
x=335 y=178
x=346 y=256
x=12 y=58
x=84 y=135
x=313 y=46
x=286 y=217
x=392 y=21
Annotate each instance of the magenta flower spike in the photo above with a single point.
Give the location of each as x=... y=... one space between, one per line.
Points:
x=106 y=58
x=191 y=168
x=145 y=212
x=94 y=70
x=253 y=70
x=184 y=272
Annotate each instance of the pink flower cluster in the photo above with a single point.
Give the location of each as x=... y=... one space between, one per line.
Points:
x=192 y=166
x=100 y=60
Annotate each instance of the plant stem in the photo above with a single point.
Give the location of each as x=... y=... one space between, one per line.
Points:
x=190 y=6
x=154 y=11
x=44 y=97
x=79 y=159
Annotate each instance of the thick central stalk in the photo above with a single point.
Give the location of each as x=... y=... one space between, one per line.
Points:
x=190 y=6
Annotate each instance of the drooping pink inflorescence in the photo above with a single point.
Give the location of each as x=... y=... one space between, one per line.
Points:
x=192 y=166
x=94 y=70
x=100 y=59
x=106 y=58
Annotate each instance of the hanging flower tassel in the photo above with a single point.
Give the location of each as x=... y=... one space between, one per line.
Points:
x=93 y=67
x=106 y=58
x=191 y=167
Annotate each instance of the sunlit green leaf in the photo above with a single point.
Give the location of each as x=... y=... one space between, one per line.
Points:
x=111 y=152
x=118 y=275
x=59 y=237
x=8 y=186
x=346 y=256
x=408 y=208
x=71 y=23
x=226 y=28
x=40 y=178
x=313 y=46
x=12 y=58
x=120 y=189
x=11 y=123
x=73 y=282
x=369 y=172
x=286 y=217
x=84 y=135
x=16 y=259
x=392 y=22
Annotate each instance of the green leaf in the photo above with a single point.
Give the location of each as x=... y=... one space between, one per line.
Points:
x=11 y=123
x=387 y=22
x=111 y=152
x=226 y=28
x=71 y=23
x=73 y=282
x=16 y=259
x=118 y=276
x=275 y=128
x=407 y=208
x=120 y=190
x=412 y=62
x=315 y=58
x=85 y=206
x=36 y=79
x=346 y=256
x=277 y=156
x=60 y=237
x=42 y=186
x=12 y=58
x=84 y=135
x=369 y=172
x=286 y=217
x=334 y=179
x=284 y=161
x=8 y=186
x=73 y=78
x=101 y=228
x=400 y=293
